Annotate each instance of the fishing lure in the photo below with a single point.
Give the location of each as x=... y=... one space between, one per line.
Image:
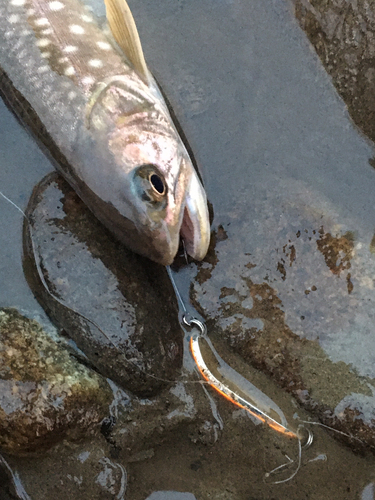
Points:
x=236 y=389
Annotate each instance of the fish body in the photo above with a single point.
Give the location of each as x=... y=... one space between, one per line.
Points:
x=119 y=147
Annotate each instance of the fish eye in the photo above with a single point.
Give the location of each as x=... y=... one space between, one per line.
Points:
x=150 y=184
x=157 y=183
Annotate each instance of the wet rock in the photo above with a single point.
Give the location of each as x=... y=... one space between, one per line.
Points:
x=118 y=307
x=45 y=394
x=97 y=468
x=296 y=300
x=343 y=34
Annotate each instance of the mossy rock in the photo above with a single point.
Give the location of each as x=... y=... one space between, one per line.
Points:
x=45 y=394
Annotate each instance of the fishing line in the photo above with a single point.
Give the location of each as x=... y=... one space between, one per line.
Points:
x=12 y=203
x=290 y=462
x=280 y=468
x=300 y=447
x=350 y=436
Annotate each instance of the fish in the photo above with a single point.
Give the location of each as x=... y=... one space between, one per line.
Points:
x=90 y=99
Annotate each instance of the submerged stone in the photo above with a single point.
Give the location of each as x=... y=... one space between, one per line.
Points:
x=45 y=394
x=118 y=307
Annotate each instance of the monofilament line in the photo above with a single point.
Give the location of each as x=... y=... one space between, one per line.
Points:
x=12 y=203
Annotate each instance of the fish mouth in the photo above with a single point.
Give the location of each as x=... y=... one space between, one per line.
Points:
x=195 y=226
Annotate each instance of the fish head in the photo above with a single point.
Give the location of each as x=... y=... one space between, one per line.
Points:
x=153 y=182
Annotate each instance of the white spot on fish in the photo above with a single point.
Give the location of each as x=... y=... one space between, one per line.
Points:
x=72 y=95
x=30 y=12
x=88 y=80
x=56 y=5
x=48 y=31
x=42 y=21
x=76 y=29
x=43 y=42
x=14 y=18
x=63 y=60
x=103 y=45
x=86 y=18
x=43 y=69
x=70 y=48
x=45 y=55
x=70 y=71
x=96 y=63
x=18 y=3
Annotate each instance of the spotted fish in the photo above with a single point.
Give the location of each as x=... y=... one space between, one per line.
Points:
x=92 y=96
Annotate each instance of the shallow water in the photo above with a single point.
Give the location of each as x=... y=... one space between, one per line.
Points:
x=267 y=128
x=22 y=166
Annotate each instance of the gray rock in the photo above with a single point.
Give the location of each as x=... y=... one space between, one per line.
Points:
x=45 y=394
x=119 y=308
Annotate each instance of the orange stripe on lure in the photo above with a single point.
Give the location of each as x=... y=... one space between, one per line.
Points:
x=229 y=394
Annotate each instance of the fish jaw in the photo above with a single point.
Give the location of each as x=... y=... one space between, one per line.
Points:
x=189 y=222
x=195 y=227
x=185 y=218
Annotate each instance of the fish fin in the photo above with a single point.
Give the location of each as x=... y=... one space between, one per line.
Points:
x=124 y=31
